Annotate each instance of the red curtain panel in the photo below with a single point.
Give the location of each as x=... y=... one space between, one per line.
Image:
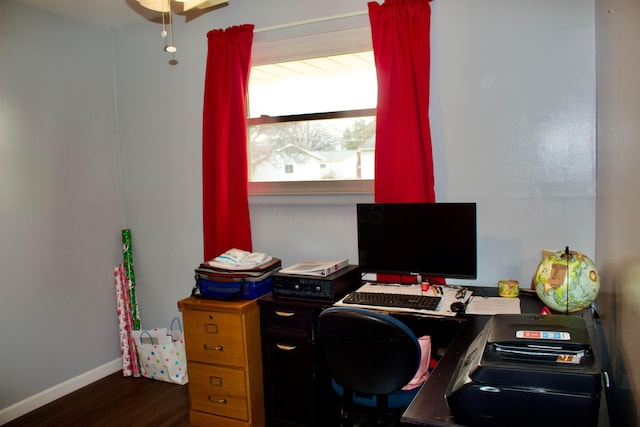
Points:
x=404 y=162
x=226 y=219
x=400 y=31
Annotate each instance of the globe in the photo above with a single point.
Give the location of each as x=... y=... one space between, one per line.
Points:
x=567 y=283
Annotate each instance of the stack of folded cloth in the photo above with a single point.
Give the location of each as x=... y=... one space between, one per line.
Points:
x=236 y=274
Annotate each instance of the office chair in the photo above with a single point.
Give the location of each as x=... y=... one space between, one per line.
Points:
x=371 y=357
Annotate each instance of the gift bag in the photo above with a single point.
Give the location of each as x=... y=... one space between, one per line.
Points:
x=162 y=355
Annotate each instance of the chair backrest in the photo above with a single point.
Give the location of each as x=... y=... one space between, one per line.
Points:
x=367 y=351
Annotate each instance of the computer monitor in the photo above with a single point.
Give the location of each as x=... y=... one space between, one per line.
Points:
x=430 y=239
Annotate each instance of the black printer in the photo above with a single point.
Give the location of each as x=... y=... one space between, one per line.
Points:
x=526 y=370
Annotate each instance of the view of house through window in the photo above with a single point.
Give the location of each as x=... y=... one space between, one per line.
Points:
x=313 y=119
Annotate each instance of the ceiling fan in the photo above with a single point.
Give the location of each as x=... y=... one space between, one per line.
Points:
x=165 y=5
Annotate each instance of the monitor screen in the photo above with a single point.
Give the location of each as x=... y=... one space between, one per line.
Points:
x=431 y=239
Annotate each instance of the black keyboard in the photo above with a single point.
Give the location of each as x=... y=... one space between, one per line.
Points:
x=418 y=302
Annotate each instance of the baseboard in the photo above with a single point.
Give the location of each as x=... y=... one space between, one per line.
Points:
x=27 y=405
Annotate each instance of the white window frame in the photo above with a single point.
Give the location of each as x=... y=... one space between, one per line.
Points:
x=340 y=34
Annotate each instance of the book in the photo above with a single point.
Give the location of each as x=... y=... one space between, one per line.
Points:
x=316 y=268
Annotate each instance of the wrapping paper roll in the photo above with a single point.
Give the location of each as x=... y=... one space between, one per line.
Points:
x=128 y=265
x=128 y=352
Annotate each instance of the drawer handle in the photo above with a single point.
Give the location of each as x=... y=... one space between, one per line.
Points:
x=284 y=313
x=218 y=348
x=212 y=400
x=286 y=347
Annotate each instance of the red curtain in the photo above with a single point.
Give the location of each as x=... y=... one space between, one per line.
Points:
x=400 y=31
x=226 y=222
x=401 y=46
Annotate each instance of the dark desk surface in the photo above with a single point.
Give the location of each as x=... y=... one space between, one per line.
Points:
x=429 y=408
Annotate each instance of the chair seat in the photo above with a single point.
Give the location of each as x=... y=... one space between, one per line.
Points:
x=399 y=399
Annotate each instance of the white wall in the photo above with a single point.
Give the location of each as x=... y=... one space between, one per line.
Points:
x=618 y=204
x=61 y=207
x=513 y=121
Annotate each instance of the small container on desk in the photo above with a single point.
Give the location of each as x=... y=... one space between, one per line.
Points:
x=508 y=288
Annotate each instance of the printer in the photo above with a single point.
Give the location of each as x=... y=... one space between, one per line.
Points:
x=526 y=370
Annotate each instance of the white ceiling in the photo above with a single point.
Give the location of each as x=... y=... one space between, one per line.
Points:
x=107 y=13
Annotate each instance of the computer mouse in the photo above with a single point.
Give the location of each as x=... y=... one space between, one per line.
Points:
x=458 y=307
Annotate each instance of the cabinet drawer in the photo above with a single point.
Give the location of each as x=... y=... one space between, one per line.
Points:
x=288 y=318
x=213 y=337
x=218 y=390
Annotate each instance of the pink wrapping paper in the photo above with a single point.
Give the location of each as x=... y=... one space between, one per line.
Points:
x=130 y=365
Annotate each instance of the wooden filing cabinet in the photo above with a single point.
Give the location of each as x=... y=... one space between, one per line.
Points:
x=224 y=362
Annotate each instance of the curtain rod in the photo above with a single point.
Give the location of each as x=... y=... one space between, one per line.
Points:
x=311 y=21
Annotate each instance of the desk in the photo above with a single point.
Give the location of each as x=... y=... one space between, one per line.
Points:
x=429 y=408
x=297 y=383
x=298 y=392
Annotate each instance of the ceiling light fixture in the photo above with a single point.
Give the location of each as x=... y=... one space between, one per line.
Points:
x=164 y=6
x=200 y=4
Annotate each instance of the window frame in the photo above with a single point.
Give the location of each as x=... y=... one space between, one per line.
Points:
x=343 y=35
x=263 y=120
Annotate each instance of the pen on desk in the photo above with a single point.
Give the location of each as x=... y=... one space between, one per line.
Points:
x=435 y=290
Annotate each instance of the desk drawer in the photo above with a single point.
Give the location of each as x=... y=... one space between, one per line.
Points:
x=212 y=337
x=218 y=390
x=291 y=319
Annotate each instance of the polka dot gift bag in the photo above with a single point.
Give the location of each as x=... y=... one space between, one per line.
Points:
x=162 y=355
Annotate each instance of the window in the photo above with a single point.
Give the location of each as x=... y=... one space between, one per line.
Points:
x=311 y=125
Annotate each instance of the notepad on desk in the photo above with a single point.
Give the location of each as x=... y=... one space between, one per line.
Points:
x=493 y=305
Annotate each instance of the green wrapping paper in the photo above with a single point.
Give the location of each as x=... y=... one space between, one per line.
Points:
x=128 y=265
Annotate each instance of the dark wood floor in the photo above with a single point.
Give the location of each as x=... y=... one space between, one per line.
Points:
x=115 y=401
